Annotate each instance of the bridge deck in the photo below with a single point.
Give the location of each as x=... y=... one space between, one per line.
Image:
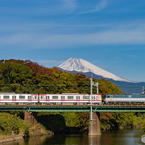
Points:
x=73 y=108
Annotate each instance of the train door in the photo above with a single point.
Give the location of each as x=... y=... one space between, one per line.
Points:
x=111 y=98
x=38 y=98
x=78 y=99
x=62 y=99
x=47 y=98
x=30 y=98
x=13 y=98
x=129 y=99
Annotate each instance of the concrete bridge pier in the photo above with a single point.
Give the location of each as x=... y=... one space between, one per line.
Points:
x=31 y=117
x=94 y=124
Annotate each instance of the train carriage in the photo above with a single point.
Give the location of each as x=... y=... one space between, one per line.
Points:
x=63 y=99
x=69 y=98
x=12 y=98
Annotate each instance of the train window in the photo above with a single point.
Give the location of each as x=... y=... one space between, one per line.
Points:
x=62 y=97
x=46 y=97
x=85 y=97
x=54 y=97
x=13 y=97
x=41 y=97
x=70 y=97
x=77 y=97
x=21 y=97
x=29 y=97
x=35 y=97
x=6 y=97
x=93 y=97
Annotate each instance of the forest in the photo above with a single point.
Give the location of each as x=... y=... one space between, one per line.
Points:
x=29 y=77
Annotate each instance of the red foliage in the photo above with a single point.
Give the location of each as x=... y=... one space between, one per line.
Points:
x=36 y=68
x=105 y=116
x=103 y=90
x=80 y=78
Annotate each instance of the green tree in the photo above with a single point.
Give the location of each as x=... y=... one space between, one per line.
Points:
x=14 y=76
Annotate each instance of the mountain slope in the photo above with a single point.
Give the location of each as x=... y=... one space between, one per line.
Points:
x=83 y=66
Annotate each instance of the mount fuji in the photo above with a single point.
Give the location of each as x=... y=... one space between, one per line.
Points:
x=82 y=66
x=78 y=65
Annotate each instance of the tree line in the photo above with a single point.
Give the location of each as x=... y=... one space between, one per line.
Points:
x=29 y=77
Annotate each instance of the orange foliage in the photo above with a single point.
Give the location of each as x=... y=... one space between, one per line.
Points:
x=80 y=78
x=36 y=68
x=105 y=116
x=103 y=90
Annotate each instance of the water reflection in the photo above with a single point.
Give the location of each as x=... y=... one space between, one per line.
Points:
x=95 y=140
x=121 y=137
x=38 y=140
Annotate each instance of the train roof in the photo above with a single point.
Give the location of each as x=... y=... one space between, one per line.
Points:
x=10 y=93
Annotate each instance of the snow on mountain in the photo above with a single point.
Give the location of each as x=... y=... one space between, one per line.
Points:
x=81 y=65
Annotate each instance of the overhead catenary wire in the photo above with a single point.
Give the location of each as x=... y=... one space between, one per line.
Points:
x=66 y=84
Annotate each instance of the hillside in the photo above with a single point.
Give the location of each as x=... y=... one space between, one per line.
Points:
x=28 y=77
x=77 y=65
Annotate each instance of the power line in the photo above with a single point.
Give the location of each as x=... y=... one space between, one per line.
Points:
x=126 y=86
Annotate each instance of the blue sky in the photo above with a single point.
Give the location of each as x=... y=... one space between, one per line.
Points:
x=108 y=33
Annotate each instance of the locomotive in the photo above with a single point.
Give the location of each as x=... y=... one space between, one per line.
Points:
x=124 y=99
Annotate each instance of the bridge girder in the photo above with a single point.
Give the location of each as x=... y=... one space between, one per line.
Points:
x=55 y=108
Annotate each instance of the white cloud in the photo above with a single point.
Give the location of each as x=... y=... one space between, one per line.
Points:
x=136 y=36
x=96 y=8
x=42 y=7
x=44 y=35
x=50 y=63
x=70 y=4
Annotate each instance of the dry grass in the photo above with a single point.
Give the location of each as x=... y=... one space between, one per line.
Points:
x=5 y=136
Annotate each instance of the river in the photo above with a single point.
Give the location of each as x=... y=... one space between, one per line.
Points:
x=121 y=137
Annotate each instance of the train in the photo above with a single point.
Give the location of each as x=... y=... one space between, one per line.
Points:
x=124 y=99
x=62 y=99
x=71 y=99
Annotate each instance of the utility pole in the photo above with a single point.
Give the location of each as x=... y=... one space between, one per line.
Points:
x=143 y=90
x=94 y=123
x=91 y=101
x=97 y=87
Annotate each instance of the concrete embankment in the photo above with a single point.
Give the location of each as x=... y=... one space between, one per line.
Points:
x=11 y=139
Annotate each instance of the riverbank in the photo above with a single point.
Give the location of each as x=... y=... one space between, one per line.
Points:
x=39 y=130
x=11 y=138
x=33 y=132
x=14 y=128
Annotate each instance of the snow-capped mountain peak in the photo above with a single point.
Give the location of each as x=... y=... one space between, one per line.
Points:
x=83 y=66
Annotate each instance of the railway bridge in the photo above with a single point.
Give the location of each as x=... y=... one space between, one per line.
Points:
x=31 y=111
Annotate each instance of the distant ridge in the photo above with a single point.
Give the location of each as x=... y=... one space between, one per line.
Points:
x=82 y=66
x=78 y=65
